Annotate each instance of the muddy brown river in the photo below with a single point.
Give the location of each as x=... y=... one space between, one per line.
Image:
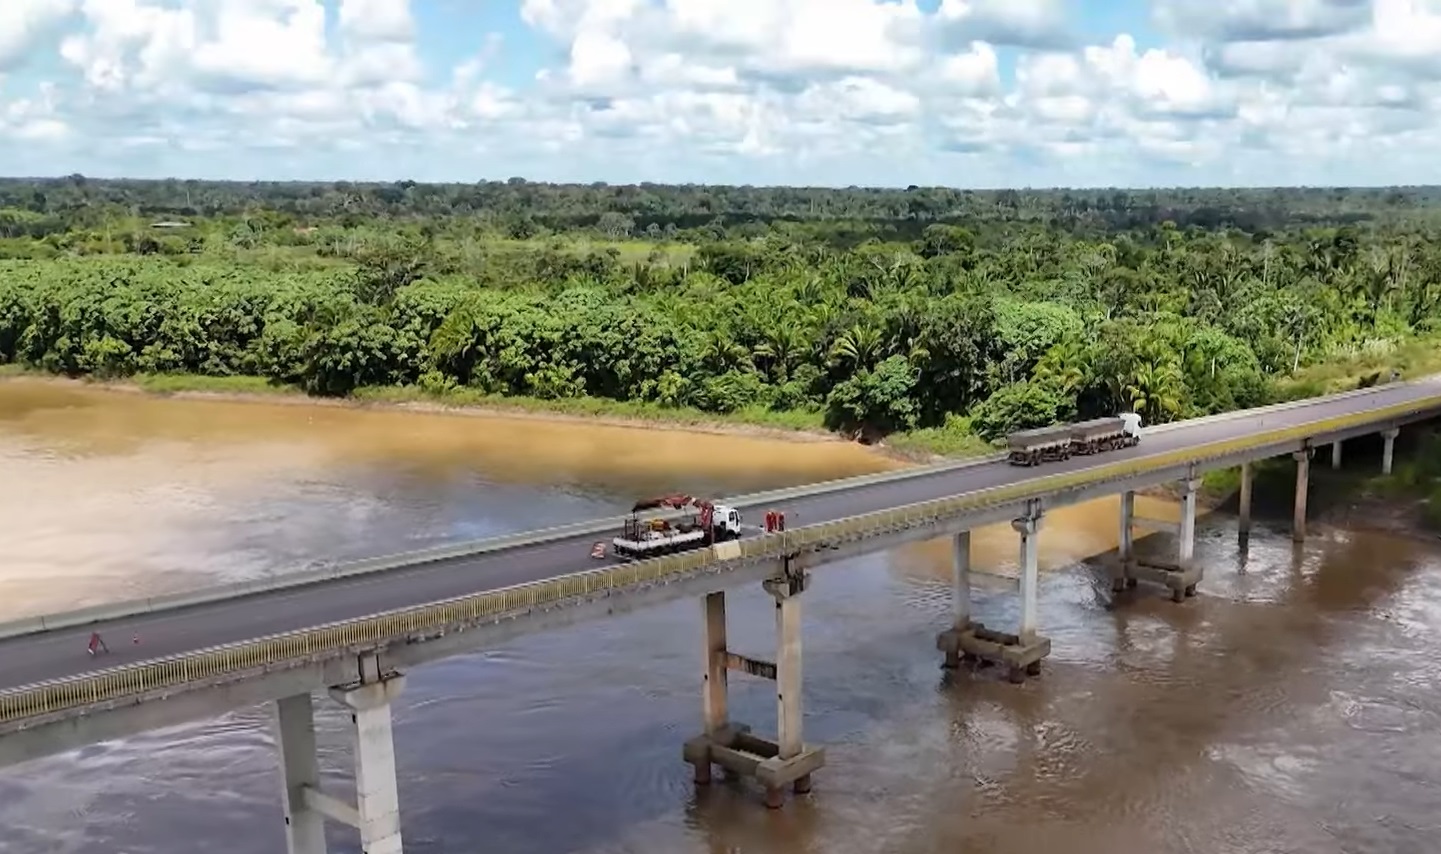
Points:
x=1290 y=707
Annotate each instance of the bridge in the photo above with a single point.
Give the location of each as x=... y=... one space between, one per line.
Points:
x=352 y=631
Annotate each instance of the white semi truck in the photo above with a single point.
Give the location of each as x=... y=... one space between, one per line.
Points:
x=1048 y=444
x=682 y=523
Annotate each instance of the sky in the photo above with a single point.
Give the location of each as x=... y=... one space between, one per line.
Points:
x=963 y=93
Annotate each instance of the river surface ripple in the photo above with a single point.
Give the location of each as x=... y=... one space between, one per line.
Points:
x=1289 y=707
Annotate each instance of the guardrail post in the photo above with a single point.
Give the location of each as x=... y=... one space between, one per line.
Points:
x=1303 y=486
x=1388 y=449
x=1336 y=455
x=294 y=727
x=1243 y=522
x=376 y=789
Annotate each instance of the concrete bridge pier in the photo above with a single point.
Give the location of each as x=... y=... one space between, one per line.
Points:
x=376 y=813
x=1020 y=653
x=775 y=764
x=1336 y=455
x=1303 y=486
x=1388 y=449
x=1243 y=523
x=960 y=598
x=1180 y=576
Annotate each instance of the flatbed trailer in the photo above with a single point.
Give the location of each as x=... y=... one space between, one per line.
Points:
x=702 y=524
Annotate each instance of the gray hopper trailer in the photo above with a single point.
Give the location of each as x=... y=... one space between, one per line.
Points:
x=1040 y=445
x=1048 y=444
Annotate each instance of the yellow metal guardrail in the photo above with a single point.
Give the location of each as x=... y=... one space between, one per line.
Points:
x=87 y=689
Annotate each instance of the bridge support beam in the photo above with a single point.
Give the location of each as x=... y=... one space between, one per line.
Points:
x=1336 y=455
x=294 y=725
x=1020 y=653
x=775 y=764
x=1303 y=486
x=1388 y=449
x=1243 y=523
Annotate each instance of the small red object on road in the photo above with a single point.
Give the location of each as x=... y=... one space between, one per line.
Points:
x=598 y=550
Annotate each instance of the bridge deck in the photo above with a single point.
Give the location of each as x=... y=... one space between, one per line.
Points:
x=60 y=653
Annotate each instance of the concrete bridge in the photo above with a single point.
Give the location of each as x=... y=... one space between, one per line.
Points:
x=353 y=630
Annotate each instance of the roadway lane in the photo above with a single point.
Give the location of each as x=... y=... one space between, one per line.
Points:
x=61 y=653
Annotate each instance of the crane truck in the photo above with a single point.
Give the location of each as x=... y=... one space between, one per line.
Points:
x=1048 y=444
x=683 y=523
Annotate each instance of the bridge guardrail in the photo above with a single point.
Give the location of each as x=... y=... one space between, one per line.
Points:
x=385 y=563
x=118 y=683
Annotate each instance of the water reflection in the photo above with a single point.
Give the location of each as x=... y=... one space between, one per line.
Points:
x=1288 y=707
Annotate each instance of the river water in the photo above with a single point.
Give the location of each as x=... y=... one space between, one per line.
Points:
x=1289 y=707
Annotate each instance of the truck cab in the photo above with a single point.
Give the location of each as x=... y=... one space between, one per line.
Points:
x=1131 y=424
x=727 y=520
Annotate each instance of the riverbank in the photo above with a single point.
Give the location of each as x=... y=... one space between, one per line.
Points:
x=921 y=446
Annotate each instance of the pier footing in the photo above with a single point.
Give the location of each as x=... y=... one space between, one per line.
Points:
x=1180 y=580
x=736 y=750
x=975 y=642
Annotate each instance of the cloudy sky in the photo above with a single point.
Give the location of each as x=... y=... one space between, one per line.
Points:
x=972 y=93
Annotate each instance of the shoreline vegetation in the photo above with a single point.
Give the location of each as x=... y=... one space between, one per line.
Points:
x=925 y=322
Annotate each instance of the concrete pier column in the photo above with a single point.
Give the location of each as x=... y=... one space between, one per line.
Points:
x=960 y=592
x=715 y=688
x=377 y=796
x=1127 y=546
x=1028 y=527
x=788 y=675
x=1121 y=579
x=1186 y=535
x=294 y=726
x=1388 y=449
x=1336 y=455
x=1303 y=486
x=1243 y=524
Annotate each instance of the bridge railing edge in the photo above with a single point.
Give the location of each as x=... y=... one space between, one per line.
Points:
x=415 y=558
x=101 y=686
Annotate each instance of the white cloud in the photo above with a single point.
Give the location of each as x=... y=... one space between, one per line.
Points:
x=834 y=91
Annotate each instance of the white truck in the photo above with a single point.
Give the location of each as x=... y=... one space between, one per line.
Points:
x=1060 y=442
x=683 y=523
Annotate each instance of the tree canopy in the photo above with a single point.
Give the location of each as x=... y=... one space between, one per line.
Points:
x=884 y=310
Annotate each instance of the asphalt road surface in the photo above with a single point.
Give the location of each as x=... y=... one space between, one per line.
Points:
x=61 y=653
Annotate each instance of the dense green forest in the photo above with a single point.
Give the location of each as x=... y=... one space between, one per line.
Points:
x=875 y=310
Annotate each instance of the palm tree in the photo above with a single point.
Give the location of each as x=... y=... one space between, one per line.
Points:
x=858 y=347
x=1155 y=388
